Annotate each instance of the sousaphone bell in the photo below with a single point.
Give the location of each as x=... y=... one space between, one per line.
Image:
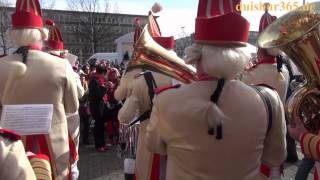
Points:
x=297 y=34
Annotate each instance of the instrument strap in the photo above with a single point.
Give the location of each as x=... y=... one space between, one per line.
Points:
x=215 y=98
x=151 y=83
x=265 y=97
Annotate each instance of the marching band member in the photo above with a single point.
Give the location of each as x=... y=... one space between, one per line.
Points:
x=147 y=165
x=13 y=159
x=124 y=89
x=200 y=124
x=268 y=70
x=55 y=47
x=45 y=79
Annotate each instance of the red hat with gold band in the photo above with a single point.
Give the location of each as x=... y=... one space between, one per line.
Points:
x=220 y=22
x=28 y=15
x=265 y=21
x=154 y=29
x=55 y=41
x=138 y=30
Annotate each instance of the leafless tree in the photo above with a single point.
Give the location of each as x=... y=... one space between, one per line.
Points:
x=5 y=24
x=97 y=25
x=47 y=4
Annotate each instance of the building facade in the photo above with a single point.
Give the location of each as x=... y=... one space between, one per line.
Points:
x=109 y=27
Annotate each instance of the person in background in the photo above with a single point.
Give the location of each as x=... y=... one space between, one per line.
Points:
x=86 y=69
x=97 y=90
x=92 y=70
x=113 y=106
x=84 y=110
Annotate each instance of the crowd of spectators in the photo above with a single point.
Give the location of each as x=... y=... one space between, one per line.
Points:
x=98 y=107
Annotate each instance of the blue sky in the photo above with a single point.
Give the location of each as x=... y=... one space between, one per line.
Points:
x=182 y=13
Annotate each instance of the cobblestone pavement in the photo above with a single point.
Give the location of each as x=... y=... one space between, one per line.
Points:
x=99 y=166
x=108 y=166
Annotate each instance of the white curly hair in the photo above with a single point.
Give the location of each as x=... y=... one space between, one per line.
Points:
x=28 y=36
x=218 y=61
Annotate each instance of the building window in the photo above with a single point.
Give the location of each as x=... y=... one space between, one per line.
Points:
x=61 y=18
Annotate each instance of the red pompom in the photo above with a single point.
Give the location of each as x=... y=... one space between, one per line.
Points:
x=50 y=22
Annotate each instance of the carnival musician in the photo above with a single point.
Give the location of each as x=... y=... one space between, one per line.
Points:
x=147 y=165
x=201 y=125
x=55 y=47
x=31 y=76
x=270 y=70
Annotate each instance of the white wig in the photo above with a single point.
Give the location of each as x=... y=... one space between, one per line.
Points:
x=218 y=61
x=28 y=36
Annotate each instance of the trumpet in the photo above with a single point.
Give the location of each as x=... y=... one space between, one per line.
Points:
x=148 y=54
x=297 y=34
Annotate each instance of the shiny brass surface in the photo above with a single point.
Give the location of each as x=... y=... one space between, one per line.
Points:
x=297 y=34
x=150 y=55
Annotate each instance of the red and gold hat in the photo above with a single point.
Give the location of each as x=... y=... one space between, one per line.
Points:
x=55 y=41
x=220 y=22
x=28 y=15
x=138 y=29
x=154 y=29
x=265 y=21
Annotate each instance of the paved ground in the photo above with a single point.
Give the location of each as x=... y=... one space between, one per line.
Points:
x=108 y=166
x=100 y=166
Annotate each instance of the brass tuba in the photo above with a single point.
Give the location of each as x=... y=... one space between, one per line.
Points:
x=297 y=34
x=148 y=54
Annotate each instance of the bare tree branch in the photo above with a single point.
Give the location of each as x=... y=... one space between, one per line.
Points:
x=96 y=25
x=47 y=4
x=5 y=23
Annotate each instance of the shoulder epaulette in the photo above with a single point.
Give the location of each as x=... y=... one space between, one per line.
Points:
x=164 y=88
x=9 y=135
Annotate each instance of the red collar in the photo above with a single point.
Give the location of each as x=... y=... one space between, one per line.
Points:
x=35 y=47
x=267 y=61
x=206 y=77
